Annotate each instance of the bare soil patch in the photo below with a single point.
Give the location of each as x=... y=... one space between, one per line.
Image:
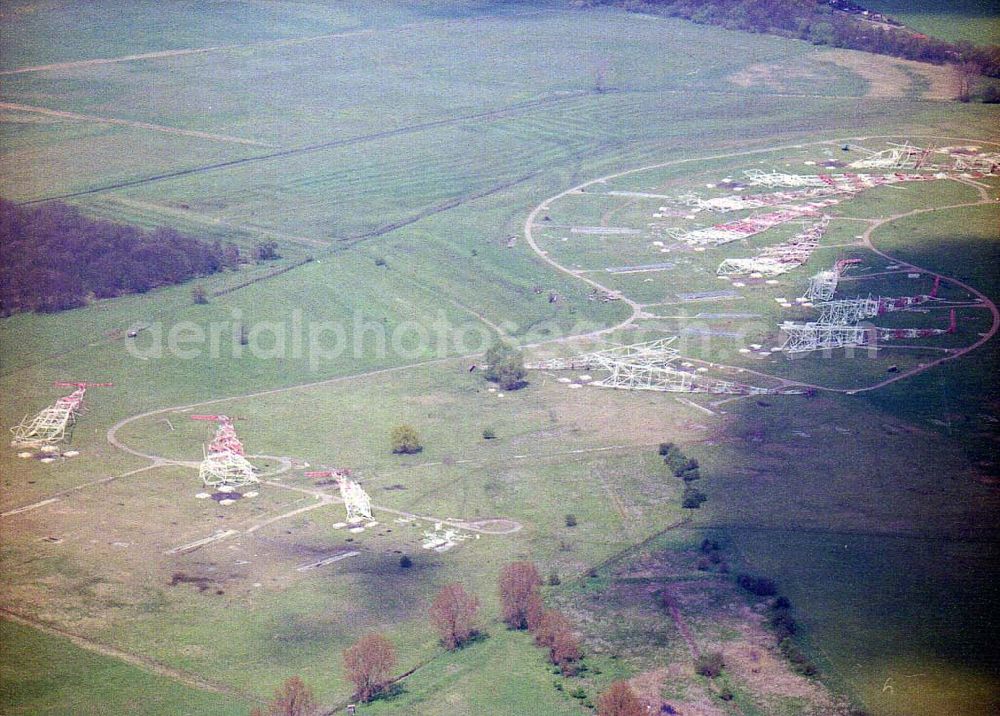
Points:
x=892 y=78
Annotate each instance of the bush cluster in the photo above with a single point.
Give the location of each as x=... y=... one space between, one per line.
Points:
x=686 y=469
x=759 y=586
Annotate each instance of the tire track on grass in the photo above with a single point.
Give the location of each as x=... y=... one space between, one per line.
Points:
x=73 y=116
x=489 y=115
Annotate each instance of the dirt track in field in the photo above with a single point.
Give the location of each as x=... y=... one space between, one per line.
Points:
x=73 y=116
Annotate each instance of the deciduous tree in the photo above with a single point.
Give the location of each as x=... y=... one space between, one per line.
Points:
x=294 y=698
x=505 y=366
x=619 y=700
x=520 y=599
x=369 y=663
x=454 y=613
x=555 y=632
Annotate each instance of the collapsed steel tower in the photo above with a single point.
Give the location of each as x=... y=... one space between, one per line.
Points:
x=780 y=258
x=897 y=156
x=852 y=310
x=645 y=366
x=356 y=500
x=814 y=336
x=823 y=285
x=51 y=424
x=224 y=464
x=743 y=228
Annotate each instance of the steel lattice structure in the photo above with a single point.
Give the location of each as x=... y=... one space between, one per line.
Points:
x=852 y=310
x=224 y=464
x=356 y=500
x=743 y=228
x=645 y=366
x=50 y=425
x=847 y=183
x=805 y=337
x=897 y=156
x=823 y=285
x=780 y=258
x=847 y=311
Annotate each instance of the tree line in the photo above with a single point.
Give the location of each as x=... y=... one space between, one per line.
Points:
x=818 y=22
x=54 y=258
x=370 y=662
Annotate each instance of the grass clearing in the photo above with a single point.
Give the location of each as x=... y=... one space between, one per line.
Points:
x=46 y=674
x=416 y=174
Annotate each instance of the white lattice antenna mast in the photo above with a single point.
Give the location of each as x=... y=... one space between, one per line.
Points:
x=224 y=464
x=50 y=425
x=356 y=500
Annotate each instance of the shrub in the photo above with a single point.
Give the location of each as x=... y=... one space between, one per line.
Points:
x=692 y=498
x=294 y=698
x=505 y=366
x=760 y=586
x=709 y=545
x=266 y=251
x=709 y=664
x=554 y=580
x=783 y=624
x=405 y=562
x=619 y=700
x=405 y=440
x=800 y=662
x=665 y=448
x=489 y=434
x=571 y=520
x=675 y=461
x=380 y=262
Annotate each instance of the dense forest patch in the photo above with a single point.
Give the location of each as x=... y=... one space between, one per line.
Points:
x=53 y=258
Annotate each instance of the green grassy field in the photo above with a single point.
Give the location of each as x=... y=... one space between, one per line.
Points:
x=965 y=20
x=45 y=674
x=402 y=145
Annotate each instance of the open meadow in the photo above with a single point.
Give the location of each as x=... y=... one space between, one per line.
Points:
x=436 y=175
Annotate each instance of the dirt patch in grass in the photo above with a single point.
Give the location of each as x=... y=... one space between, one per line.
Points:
x=774 y=76
x=756 y=665
x=684 y=694
x=893 y=78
